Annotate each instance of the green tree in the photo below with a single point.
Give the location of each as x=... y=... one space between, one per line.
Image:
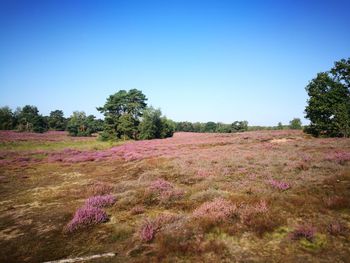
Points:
x=280 y=126
x=6 y=118
x=239 y=126
x=184 y=126
x=223 y=128
x=122 y=112
x=210 y=126
x=57 y=121
x=81 y=125
x=328 y=106
x=154 y=126
x=197 y=127
x=168 y=128
x=30 y=120
x=295 y=124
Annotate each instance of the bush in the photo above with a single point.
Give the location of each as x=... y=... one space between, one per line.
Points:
x=100 y=201
x=217 y=210
x=306 y=231
x=85 y=216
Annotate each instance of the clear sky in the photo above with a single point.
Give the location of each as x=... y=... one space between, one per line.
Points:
x=196 y=60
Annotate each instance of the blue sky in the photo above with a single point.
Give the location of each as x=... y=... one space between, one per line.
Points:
x=196 y=60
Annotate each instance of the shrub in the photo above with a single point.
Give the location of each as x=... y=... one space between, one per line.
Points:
x=137 y=210
x=306 y=231
x=217 y=210
x=148 y=231
x=280 y=185
x=100 y=189
x=85 y=216
x=339 y=157
x=151 y=226
x=257 y=217
x=336 y=228
x=163 y=191
x=336 y=202
x=100 y=201
x=160 y=185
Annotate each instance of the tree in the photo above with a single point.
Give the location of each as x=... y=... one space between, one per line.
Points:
x=295 y=124
x=57 y=121
x=154 y=126
x=239 y=126
x=328 y=105
x=210 y=127
x=280 y=126
x=184 y=126
x=223 y=128
x=168 y=128
x=6 y=118
x=122 y=112
x=80 y=125
x=30 y=120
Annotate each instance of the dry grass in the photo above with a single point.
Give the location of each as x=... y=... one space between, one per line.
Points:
x=183 y=176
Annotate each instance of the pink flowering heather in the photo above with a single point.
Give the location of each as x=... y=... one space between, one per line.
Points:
x=249 y=212
x=218 y=210
x=280 y=185
x=339 y=157
x=202 y=173
x=137 y=210
x=100 y=201
x=261 y=207
x=304 y=231
x=85 y=216
x=150 y=227
x=148 y=231
x=171 y=194
x=160 y=185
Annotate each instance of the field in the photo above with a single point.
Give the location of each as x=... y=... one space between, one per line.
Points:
x=264 y=196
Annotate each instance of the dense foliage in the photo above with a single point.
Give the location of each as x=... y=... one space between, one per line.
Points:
x=127 y=117
x=57 y=121
x=122 y=112
x=237 y=126
x=153 y=125
x=329 y=102
x=29 y=119
x=295 y=124
x=81 y=125
x=7 y=121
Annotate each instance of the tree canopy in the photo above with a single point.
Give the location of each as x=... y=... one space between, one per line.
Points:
x=153 y=125
x=29 y=119
x=57 y=121
x=295 y=124
x=122 y=111
x=81 y=125
x=328 y=105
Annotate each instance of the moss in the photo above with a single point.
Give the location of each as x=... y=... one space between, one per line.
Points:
x=318 y=243
x=279 y=233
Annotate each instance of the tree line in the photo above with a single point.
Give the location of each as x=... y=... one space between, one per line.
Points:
x=127 y=116
x=29 y=119
x=124 y=119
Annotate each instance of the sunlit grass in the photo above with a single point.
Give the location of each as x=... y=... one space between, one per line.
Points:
x=89 y=144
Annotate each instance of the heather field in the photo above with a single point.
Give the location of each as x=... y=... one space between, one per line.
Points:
x=264 y=196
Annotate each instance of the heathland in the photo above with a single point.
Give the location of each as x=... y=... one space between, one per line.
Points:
x=267 y=196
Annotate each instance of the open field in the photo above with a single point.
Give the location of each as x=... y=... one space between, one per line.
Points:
x=265 y=196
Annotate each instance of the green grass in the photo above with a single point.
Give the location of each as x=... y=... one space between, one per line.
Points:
x=89 y=144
